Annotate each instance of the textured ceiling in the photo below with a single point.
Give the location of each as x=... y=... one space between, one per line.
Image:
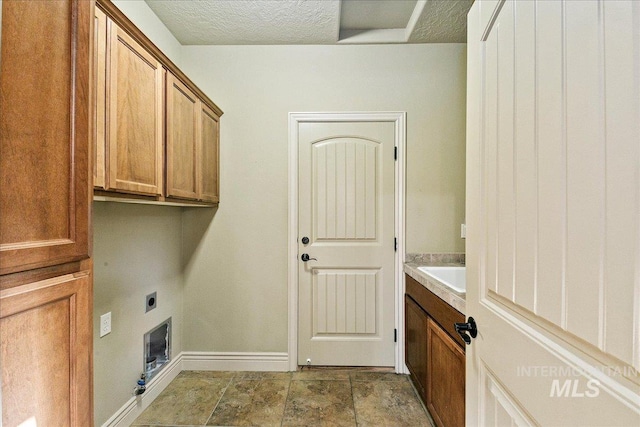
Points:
x=443 y=21
x=375 y=14
x=232 y=22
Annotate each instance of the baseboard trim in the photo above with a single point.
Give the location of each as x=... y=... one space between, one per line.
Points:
x=218 y=361
x=196 y=361
x=134 y=406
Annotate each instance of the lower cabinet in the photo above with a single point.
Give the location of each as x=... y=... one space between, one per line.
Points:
x=434 y=354
x=416 y=344
x=445 y=382
x=46 y=342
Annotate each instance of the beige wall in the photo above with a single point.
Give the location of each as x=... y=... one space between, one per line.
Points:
x=137 y=250
x=236 y=260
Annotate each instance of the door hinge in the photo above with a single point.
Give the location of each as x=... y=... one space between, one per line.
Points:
x=395 y=153
x=395 y=335
x=395 y=244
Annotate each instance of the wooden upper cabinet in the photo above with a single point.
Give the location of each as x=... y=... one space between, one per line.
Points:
x=156 y=134
x=134 y=116
x=44 y=133
x=100 y=91
x=209 y=155
x=182 y=140
x=192 y=145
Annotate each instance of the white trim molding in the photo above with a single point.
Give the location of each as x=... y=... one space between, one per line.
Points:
x=399 y=119
x=212 y=361
x=131 y=410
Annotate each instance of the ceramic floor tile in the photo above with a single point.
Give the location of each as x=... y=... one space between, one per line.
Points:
x=377 y=376
x=251 y=375
x=328 y=397
x=387 y=403
x=312 y=403
x=186 y=401
x=322 y=374
x=208 y=374
x=251 y=403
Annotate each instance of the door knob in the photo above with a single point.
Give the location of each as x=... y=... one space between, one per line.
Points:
x=305 y=240
x=305 y=258
x=463 y=328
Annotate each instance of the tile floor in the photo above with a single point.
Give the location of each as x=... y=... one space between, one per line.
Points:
x=342 y=397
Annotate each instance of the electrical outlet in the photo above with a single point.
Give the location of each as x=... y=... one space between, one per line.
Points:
x=105 y=324
x=151 y=301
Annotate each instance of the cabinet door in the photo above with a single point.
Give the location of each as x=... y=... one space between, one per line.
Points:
x=445 y=382
x=209 y=155
x=416 y=345
x=135 y=116
x=46 y=342
x=44 y=133
x=100 y=91
x=182 y=138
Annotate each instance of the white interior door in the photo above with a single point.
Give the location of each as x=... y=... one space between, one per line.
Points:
x=346 y=305
x=553 y=213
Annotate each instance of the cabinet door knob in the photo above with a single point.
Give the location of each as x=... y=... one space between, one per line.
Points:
x=463 y=328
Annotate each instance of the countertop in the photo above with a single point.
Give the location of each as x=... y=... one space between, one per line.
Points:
x=454 y=300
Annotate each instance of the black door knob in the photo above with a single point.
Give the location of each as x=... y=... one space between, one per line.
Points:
x=463 y=328
x=305 y=258
x=305 y=240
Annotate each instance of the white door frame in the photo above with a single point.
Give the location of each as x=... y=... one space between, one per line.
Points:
x=399 y=120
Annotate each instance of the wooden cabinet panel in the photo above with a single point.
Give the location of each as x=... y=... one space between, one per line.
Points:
x=135 y=116
x=182 y=140
x=436 y=307
x=46 y=342
x=210 y=155
x=44 y=116
x=446 y=383
x=45 y=222
x=434 y=354
x=416 y=345
x=100 y=91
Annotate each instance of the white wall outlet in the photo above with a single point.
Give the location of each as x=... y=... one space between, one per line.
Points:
x=105 y=324
x=463 y=231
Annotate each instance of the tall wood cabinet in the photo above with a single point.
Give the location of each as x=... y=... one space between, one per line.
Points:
x=45 y=215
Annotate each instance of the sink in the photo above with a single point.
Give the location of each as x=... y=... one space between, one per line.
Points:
x=454 y=278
